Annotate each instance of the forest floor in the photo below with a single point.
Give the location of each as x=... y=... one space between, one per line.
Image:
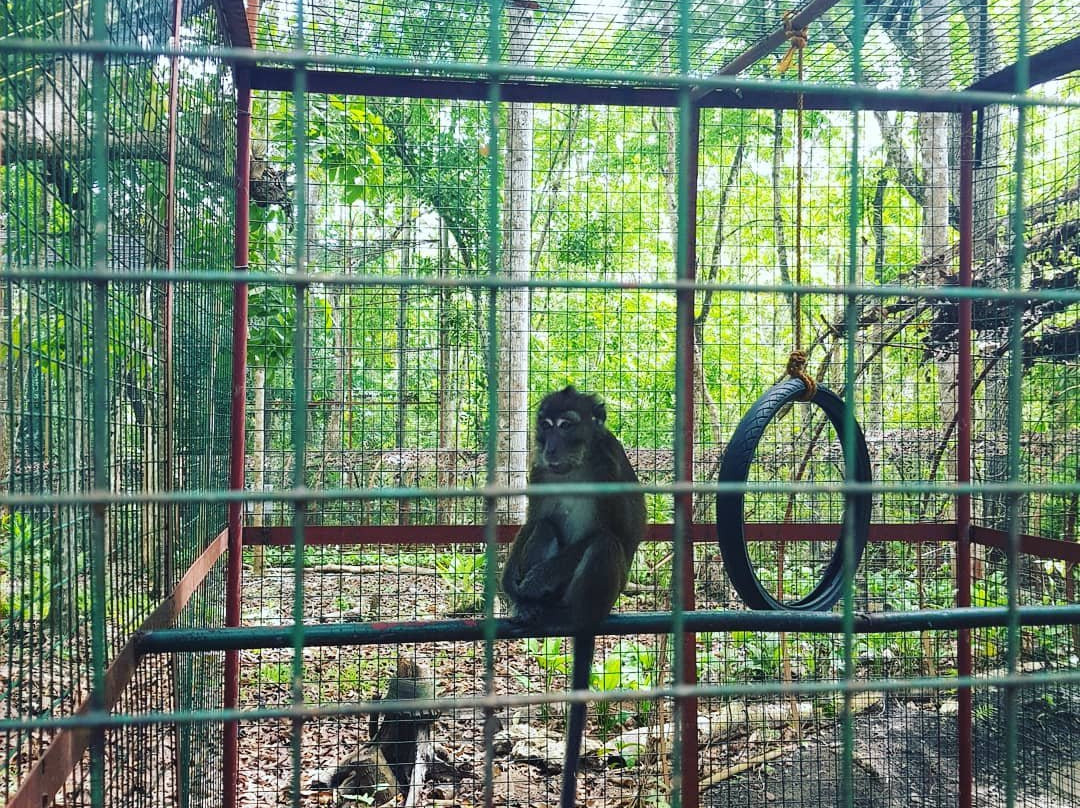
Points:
x=905 y=756
x=905 y=751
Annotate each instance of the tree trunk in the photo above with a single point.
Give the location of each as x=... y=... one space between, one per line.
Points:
x=333 y=437
x=779 y=231
x=447 y=443
x=515 y=321
x=404 y=505
x=709 y=413
x=933 y=55
x=995 y=397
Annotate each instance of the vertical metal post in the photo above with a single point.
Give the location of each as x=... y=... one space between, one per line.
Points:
x=684 y=503
x=851 y=330
x=170 y=265
x=182 y=731
x=301 y=377
x=963 y=460
x=494 y=102
x=684 y=777
x=99 y=644
x=233 y=570
x=1015 y=410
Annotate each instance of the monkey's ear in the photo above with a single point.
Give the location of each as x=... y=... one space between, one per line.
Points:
x=599 y=412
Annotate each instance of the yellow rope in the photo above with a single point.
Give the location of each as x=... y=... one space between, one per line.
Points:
x=798 y=38
x=796 y=369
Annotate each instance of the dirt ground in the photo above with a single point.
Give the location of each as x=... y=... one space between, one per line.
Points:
x=905 y=752
x=906 y=755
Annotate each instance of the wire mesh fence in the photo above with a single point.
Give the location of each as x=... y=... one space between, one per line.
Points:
x=438 y=214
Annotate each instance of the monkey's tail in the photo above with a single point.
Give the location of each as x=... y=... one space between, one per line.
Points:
x=575 y=725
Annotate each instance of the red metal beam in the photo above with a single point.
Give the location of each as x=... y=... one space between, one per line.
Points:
x=54 y=767
x=1036 y=546
x=238 y=20
x=238 y=409
x=330 y=535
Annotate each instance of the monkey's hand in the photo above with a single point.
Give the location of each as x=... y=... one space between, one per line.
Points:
x=535 y=544
x=547 y=579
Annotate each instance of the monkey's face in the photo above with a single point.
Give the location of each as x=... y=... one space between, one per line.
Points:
x=565 y=427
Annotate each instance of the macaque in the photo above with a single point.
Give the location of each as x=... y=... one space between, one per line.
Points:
x=571 y=559
x=394 y=760
x=399 y=733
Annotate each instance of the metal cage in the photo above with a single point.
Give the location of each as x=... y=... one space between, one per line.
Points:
x=281 y=287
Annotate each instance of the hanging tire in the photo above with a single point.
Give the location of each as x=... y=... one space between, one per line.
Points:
x=729 y=506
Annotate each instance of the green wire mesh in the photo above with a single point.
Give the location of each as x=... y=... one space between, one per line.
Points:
x=375 y=357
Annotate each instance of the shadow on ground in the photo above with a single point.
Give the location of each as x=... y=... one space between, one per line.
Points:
x=905 y=756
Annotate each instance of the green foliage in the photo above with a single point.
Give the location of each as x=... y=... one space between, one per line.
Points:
x=652 y=566
x=346 y=141
x=272 y=312
x=759 y=654
x=462 y=576
x=899 y=586
x=553 y=662
x=590 y=245
x=25 y=568
x=629 y=666
x=277 y=673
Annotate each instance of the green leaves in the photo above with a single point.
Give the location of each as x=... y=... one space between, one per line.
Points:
x=272 y=315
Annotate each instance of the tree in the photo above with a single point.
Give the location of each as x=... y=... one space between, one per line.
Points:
x=515 y=312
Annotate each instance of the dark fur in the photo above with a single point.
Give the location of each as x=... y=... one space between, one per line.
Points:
x=383 y=767
x=571 y=559
x=396 y=735
x=558 y=571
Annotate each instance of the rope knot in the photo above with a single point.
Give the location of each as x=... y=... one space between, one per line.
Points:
x=796 y=369
x=797 y=39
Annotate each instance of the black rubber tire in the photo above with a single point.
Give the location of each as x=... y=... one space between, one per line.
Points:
x=729 y=507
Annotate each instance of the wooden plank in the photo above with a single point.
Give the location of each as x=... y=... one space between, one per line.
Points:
x=238 y=20
x=763 y=47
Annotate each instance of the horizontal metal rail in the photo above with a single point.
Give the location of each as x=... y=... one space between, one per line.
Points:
x=490 y=71
x=1047 y=65
x=473 y=704
x=472 y=630
x=436 y=535
x=1019 y=294
x=336 y=535
x=389 y=85
x=312 y=495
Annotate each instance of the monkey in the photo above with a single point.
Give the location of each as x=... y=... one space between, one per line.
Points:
x=399 y=733
x=571 y=559
x=387 y=764
x=365 y=772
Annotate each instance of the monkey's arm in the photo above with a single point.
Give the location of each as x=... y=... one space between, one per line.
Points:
x=549 y=579
x=536 y=543
x=576 y=588
x=597 y=579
